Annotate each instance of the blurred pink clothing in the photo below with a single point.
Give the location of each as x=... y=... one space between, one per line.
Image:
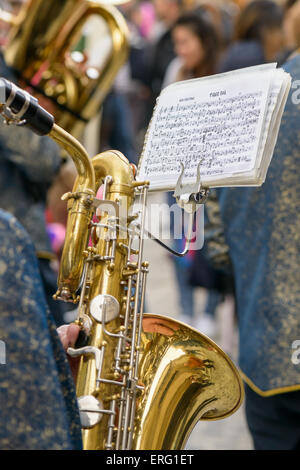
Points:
x=148 y=19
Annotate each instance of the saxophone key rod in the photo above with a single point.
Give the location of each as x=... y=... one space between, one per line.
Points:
x=134 y=353
x=138 y=387
x=111 y=425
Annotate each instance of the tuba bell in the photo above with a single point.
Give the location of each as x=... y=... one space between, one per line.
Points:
x=46 y=49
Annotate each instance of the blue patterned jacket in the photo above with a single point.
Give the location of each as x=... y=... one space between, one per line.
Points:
x=38 y=408
x=256 y=233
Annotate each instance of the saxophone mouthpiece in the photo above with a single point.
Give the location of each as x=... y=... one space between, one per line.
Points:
x=22 y=108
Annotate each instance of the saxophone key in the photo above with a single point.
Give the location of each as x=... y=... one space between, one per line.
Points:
x=104 y=308
x=90 y=410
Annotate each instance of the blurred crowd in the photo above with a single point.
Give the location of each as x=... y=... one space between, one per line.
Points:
x=173 y=40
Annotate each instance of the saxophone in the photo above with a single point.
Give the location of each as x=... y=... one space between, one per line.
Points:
x=144 y=380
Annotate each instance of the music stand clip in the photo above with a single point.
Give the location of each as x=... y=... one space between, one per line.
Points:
x=189 y=196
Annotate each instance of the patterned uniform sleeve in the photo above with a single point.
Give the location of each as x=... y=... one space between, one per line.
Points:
x=38 y=407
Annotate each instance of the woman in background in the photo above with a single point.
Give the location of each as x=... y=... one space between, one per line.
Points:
x=197 y=46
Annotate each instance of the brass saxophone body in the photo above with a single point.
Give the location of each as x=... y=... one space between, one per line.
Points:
x=144 y=380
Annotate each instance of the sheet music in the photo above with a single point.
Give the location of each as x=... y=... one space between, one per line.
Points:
x=220 y=121
x=280 y=87
x=274 y=96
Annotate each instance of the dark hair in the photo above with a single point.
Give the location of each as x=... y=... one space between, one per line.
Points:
x=289 y=4
x=255 y=18
x=206 y=33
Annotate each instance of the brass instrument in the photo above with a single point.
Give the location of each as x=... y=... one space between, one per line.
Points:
x=40 y=49
x=144 y=380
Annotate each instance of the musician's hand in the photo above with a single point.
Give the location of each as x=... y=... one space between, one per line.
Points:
x=68 y=335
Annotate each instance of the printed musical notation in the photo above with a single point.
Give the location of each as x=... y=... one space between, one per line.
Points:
x=220 y=133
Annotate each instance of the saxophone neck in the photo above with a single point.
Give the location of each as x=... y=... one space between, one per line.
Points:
x=114 y=164
x=80 y=207
x=91 y=175
x=85 y=171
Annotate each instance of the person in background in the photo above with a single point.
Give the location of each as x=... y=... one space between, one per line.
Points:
x=258 y=36
x=222 y=14
x=197 y=48
x=291 y=27
x=123 y=109
x=117 y=125
x=161 y=51
x=143 y=17
x=141 y=20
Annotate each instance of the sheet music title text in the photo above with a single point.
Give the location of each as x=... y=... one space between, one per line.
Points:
x=213 y=94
